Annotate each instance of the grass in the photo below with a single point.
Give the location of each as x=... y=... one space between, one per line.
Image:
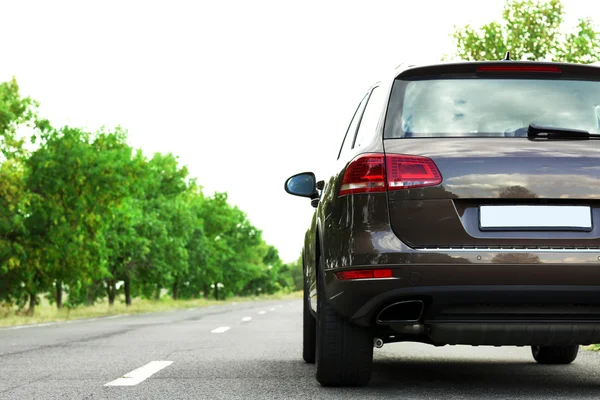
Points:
x=46 y=312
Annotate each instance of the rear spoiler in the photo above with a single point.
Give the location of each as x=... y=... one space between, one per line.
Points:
x=504 y=68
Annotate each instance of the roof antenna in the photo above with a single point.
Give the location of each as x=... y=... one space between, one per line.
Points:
x=507 y=56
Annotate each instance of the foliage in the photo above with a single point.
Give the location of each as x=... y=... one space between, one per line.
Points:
x=530 y=30
x=85 y=214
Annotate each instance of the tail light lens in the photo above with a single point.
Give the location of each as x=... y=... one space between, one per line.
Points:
x=404 y=172
x=369 y=173
x=364 y=174
x=364 y=274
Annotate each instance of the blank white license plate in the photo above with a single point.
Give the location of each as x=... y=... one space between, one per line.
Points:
x=535 y=217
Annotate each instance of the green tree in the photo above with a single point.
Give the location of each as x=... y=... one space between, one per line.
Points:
x=127 y=247
x=75 y=179
x=17 y=114
x=166 y=224
x=194 y=280
x=234 y=248
x=530 y=30
x=295 y=272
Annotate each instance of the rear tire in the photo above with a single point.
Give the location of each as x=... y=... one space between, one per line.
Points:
x=344 y=351
x=309 y=333
x=555 y=354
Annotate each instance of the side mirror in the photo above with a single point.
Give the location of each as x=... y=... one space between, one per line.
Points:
x=303 y=185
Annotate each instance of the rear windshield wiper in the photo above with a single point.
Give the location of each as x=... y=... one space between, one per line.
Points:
x=536 y=132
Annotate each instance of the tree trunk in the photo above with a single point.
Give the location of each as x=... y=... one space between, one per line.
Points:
x=127 y=288
x=111 y=290
x=157 y=293
x=216 y=292
x=90 y=291
x=32 y=302
x=175 y=294
x=206 y=291
x=59 y=302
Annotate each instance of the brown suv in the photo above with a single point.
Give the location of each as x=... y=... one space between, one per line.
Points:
x=464 y=209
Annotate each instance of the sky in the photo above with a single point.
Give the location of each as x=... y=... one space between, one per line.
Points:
x=246 y=93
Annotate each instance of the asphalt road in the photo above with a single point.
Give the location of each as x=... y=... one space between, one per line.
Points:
x=190 y=354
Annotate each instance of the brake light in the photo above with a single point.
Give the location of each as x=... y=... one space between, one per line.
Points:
x=520 y=68
x=364 y=174
x=405 y=172
x=364 y=274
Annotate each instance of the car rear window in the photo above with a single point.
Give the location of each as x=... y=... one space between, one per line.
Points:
x=479 y=107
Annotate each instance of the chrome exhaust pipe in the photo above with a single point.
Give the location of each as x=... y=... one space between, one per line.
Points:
x=378 y=343
x=402 y=312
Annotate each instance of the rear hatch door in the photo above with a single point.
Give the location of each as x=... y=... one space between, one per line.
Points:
x=498 y=188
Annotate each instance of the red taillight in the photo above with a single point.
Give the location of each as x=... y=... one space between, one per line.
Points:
x=364 y=174
x=364 y=274
x=520 y=68
x=404 y=172
x=367 y=174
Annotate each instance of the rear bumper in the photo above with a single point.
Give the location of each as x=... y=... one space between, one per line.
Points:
x=485 y=304
x=474 y=280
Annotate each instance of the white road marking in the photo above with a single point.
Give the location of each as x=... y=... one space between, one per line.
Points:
x=11 y=328
x=262 y=312
x=279 y=306
x=272 y=309
x=220 y=329
x=141 y=374
x=246 y=319
x=115 y=316
x=71 y=321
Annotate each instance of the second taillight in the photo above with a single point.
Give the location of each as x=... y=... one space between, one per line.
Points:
x=404 y=172
x=375 y=172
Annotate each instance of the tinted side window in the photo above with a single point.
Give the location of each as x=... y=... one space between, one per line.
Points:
x=370 y=118
x=351 y=131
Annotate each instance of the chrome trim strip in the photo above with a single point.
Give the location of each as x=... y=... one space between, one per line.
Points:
x=336 y=295
x=505 y=250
